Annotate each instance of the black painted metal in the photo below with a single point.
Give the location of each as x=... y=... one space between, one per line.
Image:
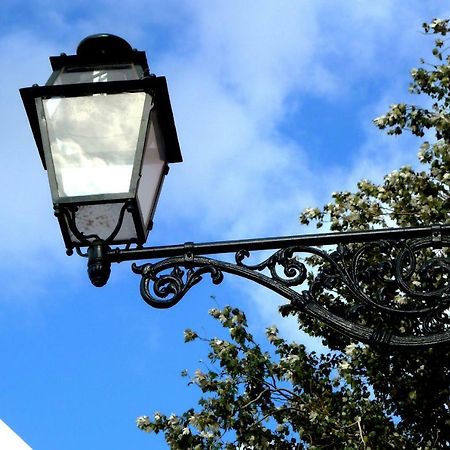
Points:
x=271 y=243
x=104 y=45
x=101 y=49
x=99 y=269
x=400 y=278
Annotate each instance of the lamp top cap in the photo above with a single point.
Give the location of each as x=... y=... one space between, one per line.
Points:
x=103 y=45
x=100 y=49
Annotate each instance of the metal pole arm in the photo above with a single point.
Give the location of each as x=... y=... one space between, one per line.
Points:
x=387 y=286
x=271 y=243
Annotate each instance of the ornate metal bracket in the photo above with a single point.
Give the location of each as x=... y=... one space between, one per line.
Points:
x=396 y=280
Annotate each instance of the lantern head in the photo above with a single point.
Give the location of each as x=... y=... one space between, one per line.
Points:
x=105 y=133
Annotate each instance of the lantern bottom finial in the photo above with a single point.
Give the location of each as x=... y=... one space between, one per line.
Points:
x=99 y=268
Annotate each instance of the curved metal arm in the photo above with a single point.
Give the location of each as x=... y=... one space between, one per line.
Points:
x=401 y=287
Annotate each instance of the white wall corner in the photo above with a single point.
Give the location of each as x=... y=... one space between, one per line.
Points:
x=10 y=440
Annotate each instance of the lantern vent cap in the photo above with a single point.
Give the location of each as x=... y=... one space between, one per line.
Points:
x=103 y=45
x=98 y=49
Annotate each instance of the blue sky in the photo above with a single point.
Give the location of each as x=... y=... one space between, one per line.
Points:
x=273 y=102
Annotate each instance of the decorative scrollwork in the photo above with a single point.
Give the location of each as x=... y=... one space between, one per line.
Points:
x=166 y=290
x=400 y=288
x=293 y=269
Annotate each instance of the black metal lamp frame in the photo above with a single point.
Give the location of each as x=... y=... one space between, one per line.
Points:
x=399 y=277
x=65 y=210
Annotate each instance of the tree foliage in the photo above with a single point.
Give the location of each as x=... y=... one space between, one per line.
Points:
x=285 y=399
x=355 y=397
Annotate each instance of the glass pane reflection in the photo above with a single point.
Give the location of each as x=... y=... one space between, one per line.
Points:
x=70 y=75
x=93 y=141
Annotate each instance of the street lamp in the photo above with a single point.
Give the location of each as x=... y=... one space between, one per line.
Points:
x=105 y=132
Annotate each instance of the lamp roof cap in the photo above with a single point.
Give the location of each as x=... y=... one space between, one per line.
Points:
x=102 y=48
x=103 y=45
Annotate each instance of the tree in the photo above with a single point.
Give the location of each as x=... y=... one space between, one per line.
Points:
x=355 y=396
